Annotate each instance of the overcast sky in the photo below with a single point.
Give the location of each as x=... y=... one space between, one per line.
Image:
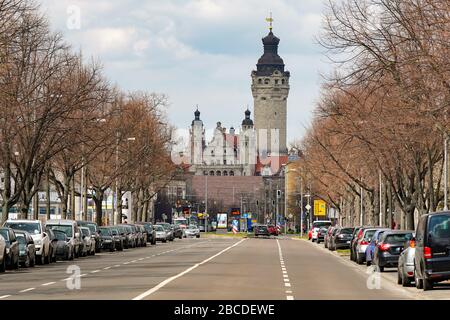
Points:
x=199 y=51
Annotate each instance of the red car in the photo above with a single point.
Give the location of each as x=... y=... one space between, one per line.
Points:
x=310 y=234
x=274 y=231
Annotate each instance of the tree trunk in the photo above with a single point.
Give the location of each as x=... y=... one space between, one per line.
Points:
x=65 y=197
x=119 y=206
x=47 y=192
x=72 y=199
x=98 y=201
x=6 y=193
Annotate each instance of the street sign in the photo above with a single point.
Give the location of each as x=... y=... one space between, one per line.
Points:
x=320 y=208
x=308 y=207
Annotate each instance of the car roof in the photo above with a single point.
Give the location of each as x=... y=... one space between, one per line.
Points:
x=61 y=222
x=23 y=221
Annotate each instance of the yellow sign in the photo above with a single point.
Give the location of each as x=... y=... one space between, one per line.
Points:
x=320 y=208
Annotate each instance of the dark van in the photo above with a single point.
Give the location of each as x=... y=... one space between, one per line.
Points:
x=432 y=258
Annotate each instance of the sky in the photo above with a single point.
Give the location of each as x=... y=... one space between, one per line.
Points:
x=198 y=52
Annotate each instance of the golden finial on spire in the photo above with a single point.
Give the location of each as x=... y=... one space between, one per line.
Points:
x=270 y=20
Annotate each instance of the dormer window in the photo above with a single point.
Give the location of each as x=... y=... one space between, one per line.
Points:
x=266 y=81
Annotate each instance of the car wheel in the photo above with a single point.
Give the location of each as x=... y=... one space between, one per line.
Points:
x=46 y=258
x=164 y=241
x=427 y=284
x=368 y=263
x=418 y=281
x=33 y=261
x=17 y=264
x=406 y=281
x=3 y=263
x=359 y=259
x=399 y=277
x=198 y=236
x=381 y=269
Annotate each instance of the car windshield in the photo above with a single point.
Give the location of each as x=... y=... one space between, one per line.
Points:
x=398 y=237
x=85 y=232
x=30 y=227
x=347 y=231
x=319 y=224
x=67 y=229
x=4 y=234
x=105 y=231
x=92 y=227
x=114 y=232
x=369 y=234
x=59 y=235
x=439 y=229
x=159 y=227
x=165 y=226
x=180 y=221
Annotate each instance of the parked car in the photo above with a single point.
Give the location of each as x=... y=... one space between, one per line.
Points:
x=432 y=256
x=117 y=238
x=161 y=234
x=390 y=246
x=12 y=248
x=151 y=233
x=168 y=229
x=64 y=247
x=274 y=231
x=373 y=243
x=405 y=269
x=321 y=234
x=316 y=227
x=89 y=240
x=127 y=237
x=37 y=231
x=53 y=242
x=357 y=234
x=106 y=239
x=27 y=249
x=362 y=243
x=341 y=238
x=2 y=254
x=192 y=231
x=262 y=230
x=131 y=236
x=177 y=231
x=327 y=238
x=144 y=234
x=72 y=231
x=93 y=227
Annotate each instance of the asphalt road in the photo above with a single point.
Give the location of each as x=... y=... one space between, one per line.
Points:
x=207 y=269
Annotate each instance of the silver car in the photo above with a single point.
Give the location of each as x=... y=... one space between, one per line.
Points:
x=2 y=254
x=161 y=234
x=363 y=243
x=192 y=231
x=405 y=269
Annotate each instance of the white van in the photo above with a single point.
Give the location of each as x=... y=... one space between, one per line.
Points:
x=316 y=227
x=72 y=231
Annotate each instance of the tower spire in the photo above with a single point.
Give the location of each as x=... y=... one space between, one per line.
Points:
x=270 y=20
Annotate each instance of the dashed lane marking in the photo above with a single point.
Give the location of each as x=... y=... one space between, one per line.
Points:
x=47 y=284
x=26 y=290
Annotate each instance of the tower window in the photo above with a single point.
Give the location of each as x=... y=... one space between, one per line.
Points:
x=276 y=81
x=263 y=98
x=260 y=81
x=211 y=173
x=283 y=81
x=267 y=81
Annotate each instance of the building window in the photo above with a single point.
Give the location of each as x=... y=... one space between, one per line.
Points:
x=224 y=162
x=232 y=173
x=263 y=98
x=211 y=173
x=267 y=81
x=205 y=173
x=218 y=173
x=283 y=81
x=260 y=81
x=225 y=173
x=276 y=81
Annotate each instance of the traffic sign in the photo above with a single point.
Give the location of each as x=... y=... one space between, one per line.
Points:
x=308 y=207
x=320 y=208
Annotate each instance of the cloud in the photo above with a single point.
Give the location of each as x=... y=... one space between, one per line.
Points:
x=200 y=51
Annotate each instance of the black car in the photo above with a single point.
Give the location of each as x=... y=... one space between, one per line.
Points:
x=388 y=249
x=64 y=249
x=151 y=233
x=262 y=230
x=117 y=238
x=106 y=239
x=53 y=244
x=12 y=248
x=177 y=231
x=27 y=249
x=321 y=234
x=432 y=254
x=94 y=232
x=341 y=238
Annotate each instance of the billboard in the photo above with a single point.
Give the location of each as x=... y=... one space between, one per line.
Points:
x=222 y=221
x=320 y=208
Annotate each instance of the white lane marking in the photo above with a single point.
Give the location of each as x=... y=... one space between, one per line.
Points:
x=5 y=296
x=140 y=259
x=107 y=268
x=47 y=284
x=82 y=275
x=169 y=280
x=284 y=271
x=116 y=266
x=95 y=271
x=126 y=263
x=26 y=290
x=134 y=261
